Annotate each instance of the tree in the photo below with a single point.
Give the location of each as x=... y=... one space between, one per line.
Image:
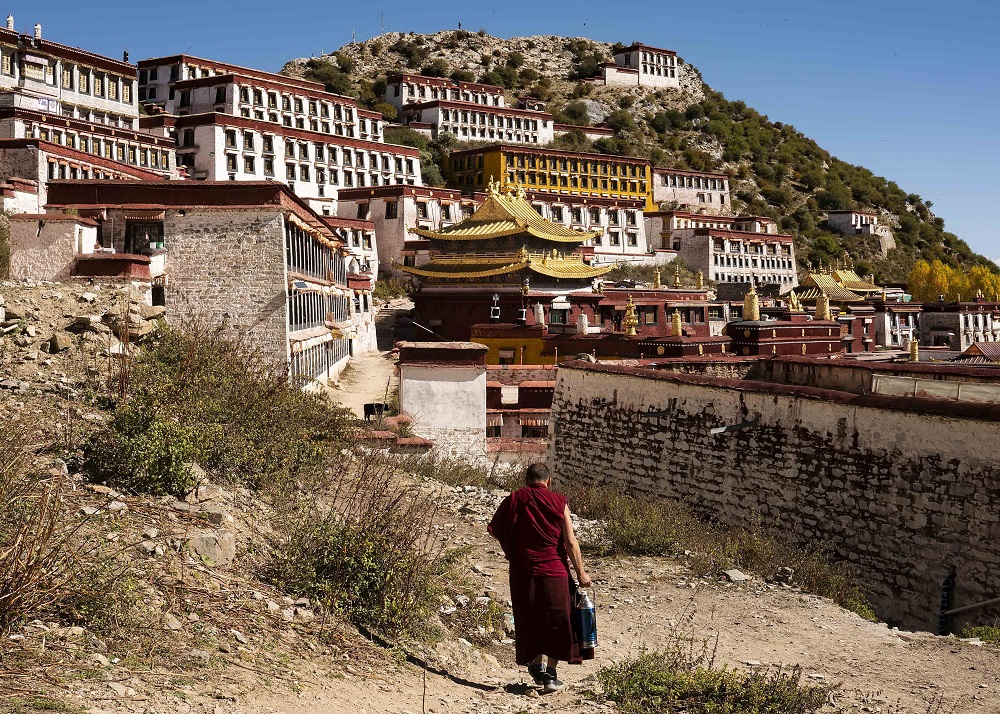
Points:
x=574 y=113
x=621 y=122
x=388 y=111
x=437 y=68
x=332 y=77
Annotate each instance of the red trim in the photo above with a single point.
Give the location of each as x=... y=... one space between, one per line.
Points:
x=26 y=43
x=444 y=82
x=397 y=191
x=540 y=151
x=237 y=77
x=743 y=235
x=635 y=47
x=53 y=217
x=484 y=108
x=603 y=130
x=227 y=68
x=59 y=121
x=684 y=172
x=82 y=157
x=338 y=222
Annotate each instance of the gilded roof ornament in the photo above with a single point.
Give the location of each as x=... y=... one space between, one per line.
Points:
x=677 y=276
x=631 y=320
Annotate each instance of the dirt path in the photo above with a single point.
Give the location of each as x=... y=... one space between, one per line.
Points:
x=371 y=377
x=641 y=601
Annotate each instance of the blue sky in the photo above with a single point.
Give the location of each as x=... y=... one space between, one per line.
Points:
x=910 y=90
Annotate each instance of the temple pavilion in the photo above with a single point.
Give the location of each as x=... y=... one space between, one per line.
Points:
x=506 y=242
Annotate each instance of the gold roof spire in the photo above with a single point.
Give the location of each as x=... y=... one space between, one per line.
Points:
x=675 y=324
x=631 y=320
x=751 y=305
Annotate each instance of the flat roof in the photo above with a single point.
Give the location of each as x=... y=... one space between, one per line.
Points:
x=524 y=148
x=216 y=64
x=649 y=48
x=456 y=104
x=74 y=53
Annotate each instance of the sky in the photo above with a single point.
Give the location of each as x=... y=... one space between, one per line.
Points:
x=910 y=90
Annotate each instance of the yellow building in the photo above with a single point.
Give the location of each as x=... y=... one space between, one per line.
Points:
x=564 y=173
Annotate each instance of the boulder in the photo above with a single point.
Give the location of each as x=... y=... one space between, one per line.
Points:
x=152 y=312
x=88 y=297
x=59 y=342
x=217 y=548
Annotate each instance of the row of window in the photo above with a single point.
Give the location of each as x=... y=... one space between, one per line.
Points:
x=576 y=215
x=58 y=170
x=512 y=136
x=306 y=256
x=757 y=279
x=658 y=71
x=735 y=246
x=581 y=182
x=306 y=151
x=292 y=103
x=116 y=150
x=578 y=166
x=741 y=262
x=490 y=119
x=423 y=210
x=71 y=78
x=675 y=181
x=615 y=239
x=655 y=58
x=425 y=92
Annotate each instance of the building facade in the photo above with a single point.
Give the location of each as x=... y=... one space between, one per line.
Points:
x=958 y=325
x=680 y=189
x=641 y=65
x=238 y=124
x=249 y=256
x=477 y=122
x=402 y=90
x=862 y=223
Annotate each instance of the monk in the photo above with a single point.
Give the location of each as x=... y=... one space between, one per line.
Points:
x=535 y=531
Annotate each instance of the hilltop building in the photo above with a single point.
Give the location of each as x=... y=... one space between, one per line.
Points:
x=402 y=90
x=641 y=65
x=862 y=223
x=239 y=124
x=960 y=324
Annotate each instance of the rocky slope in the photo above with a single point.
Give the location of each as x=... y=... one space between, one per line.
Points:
x=775 y=170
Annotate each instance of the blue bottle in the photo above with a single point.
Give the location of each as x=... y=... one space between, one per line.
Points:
x=585 y=620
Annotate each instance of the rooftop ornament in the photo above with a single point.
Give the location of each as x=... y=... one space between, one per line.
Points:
x=677 y=276
x=631 y=321
x=676 y=324
x=751 y=305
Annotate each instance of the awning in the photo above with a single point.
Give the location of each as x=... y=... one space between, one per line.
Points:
x=533 y=421
x=134 y=215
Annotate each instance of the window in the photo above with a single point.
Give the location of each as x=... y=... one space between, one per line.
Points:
x=67 y=79
x=6 y=64
x=84 y=81
x=231 y=163
x=269 y=167
x=595 y=215
x=231 y=138
x=290 y=172
x=268 y=144
x=304 y=173
x=127 y=92
x=248 y=165
x=220 y=95
x=576 y=215
x=445 y=212
x=421 y=210
x=616 y=238
x=557 y=213
x=248 y=141
x=363 y=210
x=506 y=355
x=391 y=209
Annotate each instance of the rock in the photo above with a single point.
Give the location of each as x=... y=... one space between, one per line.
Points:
x=100 y=659
x=59 y=342
x=217 y=548
x=198 y=474
x=508 y=623
x=272 y=606
x=225 y=647
x=121 y=690
x=147 y=546
x=117 y=506
x=14 y=313
x=302 y=602
x=216 y=516
x=171 y=623
x=461 y=601
x=205 y=491
x=30 y=331
x=88 y=297
x=735 y=576
x=31 y=356
x=239 y=636
x=151 y=312
x=304 y=614
x=150 y=533
x=200 y=656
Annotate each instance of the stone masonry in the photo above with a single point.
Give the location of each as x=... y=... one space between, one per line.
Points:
x=906 y=489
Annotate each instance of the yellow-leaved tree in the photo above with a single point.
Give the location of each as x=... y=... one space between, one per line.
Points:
x=929 y=281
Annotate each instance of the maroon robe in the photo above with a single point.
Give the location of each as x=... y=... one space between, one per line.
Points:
x=529 y=526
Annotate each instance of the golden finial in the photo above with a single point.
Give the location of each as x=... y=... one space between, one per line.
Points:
x=520 y=192
x=522 y=255
x=751 y=305
x=525 y=286
x=631 y=321
x=677 y=276
x=656 y=279
x=914 y=351
x=793 y=301
x=803 y=350
x=701 y=280
x=675 y=325
x=494 y=187
x=979 y=294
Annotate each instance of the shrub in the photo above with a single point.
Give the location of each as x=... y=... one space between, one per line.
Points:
x=463 y=75
x=437 y=68
x=372 y=556
x=389 y=286
x=987 y=633
x=574 y=113
x=200 y=395
x=333 y=78
x=386 y=110
x=679 y=679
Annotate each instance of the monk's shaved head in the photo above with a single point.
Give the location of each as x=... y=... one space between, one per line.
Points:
x=536 y=473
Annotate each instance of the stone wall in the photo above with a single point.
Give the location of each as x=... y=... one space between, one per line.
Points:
x=228 y=266
x=906 y=489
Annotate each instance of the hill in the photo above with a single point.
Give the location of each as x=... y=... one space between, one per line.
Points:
x=776 y=170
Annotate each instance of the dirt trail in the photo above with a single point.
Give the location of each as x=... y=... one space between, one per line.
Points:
x=641 y=601
x=371 y=377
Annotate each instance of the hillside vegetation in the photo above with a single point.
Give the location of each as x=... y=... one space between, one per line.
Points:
x=777 y=171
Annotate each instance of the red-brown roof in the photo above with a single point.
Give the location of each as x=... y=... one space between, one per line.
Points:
x=473 y=106
x=82 y=157
x=649 y=48
x=544 y=151
x=53 y=217
x=226 y=67
x=443 y=82
x=71 y=53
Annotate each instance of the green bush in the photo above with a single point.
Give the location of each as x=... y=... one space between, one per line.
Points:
x=372 y=557
x=987 y=633
x=675 y=680
x=334 y=78
x=200 y=395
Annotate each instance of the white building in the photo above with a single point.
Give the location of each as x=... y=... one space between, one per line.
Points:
x=691 y=189
x=358 y=238
x=862 y=223
x=475 y=122
x=238 y=124
x=395 y=211
x=641 y=65
x=404 y=89
x=442 y=386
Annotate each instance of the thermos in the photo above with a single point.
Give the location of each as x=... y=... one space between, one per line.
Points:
x=585 y=620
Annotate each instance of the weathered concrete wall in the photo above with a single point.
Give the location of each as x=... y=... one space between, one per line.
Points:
x=448 y=406
x=906 y=489
x=228 y=266
x=43 y=249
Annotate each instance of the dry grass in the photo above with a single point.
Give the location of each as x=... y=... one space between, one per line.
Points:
x=663 y=527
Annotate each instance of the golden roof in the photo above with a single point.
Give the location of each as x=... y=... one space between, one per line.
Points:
x=823 y=284
x=854 y=282
x=451 y=266
x=505 y=214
